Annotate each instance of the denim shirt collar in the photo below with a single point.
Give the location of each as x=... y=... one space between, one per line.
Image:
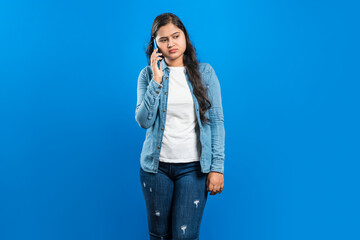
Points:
x=163 y=64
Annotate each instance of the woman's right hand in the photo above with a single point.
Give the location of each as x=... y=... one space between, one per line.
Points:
x=158 y=73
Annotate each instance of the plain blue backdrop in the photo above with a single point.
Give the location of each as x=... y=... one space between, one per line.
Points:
x=70 y=146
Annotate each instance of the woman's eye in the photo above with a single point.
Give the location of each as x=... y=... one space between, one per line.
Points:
x=165 y=40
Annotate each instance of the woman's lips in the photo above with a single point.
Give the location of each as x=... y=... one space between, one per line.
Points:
x=173 y=50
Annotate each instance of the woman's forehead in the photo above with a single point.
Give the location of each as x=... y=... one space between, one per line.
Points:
x=168 y=30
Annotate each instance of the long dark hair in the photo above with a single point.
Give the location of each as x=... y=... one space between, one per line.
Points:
x=190 y=60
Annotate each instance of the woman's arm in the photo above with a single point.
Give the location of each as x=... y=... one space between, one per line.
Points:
x=148 y=96
x=216 y=124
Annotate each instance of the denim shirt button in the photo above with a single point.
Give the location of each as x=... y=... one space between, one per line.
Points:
x=163 y=110
x=158 y=147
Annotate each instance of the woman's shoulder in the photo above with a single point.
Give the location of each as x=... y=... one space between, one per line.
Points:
x=204 y=67
x=146 y=71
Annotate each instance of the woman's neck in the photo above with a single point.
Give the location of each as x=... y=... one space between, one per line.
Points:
x=175 y=63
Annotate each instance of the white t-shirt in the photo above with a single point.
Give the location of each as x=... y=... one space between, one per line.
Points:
x=181 y=141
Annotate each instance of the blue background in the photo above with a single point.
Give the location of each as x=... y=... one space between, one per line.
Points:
x=70 y=145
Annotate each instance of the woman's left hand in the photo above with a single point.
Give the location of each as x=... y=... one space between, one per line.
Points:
x=215 y=182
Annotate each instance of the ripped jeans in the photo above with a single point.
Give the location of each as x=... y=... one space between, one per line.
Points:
x=175 y=199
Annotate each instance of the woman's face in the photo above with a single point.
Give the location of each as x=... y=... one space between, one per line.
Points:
x=171 y=37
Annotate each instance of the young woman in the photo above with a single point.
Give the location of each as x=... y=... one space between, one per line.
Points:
x=183 y=153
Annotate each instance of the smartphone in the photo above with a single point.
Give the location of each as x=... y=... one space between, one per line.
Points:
x=155 y=46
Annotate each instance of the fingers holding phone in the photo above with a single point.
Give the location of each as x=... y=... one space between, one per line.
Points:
x=158 y=73
x=155 y=64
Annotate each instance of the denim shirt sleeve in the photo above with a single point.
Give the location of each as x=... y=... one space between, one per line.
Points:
x=216 y=124
x=148 y=96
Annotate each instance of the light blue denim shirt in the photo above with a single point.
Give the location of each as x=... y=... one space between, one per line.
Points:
x=151 y=110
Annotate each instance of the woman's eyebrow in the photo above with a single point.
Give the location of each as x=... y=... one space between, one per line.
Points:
x=171 y=34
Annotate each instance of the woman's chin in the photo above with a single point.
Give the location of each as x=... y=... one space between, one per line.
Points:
x=173 y=57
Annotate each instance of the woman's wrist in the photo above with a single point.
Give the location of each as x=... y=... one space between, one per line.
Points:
x=158 y=80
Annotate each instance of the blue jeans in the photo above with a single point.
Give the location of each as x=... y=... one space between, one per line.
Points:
x=175 y=199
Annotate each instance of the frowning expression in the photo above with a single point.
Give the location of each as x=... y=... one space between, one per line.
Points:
x=171 y=41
